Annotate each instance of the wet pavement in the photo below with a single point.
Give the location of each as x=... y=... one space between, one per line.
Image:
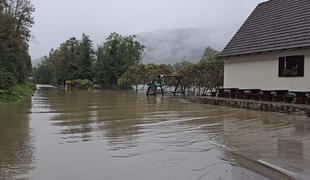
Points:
x=122 y=135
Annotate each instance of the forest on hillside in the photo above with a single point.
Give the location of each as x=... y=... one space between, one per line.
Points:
x=169 y=46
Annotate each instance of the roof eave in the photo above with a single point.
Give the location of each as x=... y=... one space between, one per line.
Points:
x=262 y=52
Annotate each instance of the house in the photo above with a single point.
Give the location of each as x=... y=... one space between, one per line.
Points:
x=271 y=50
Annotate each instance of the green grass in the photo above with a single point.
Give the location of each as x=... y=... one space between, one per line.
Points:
x=17 y=93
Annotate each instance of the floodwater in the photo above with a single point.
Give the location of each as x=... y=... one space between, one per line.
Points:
x=122 y=135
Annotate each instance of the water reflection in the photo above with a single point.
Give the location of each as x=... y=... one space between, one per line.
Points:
x=16 y=148
x=74 y=114
x=277 y=140
x=127 y=122
x=123 y=135
x=82 y=115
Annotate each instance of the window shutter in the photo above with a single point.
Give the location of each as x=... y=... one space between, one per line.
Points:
x=281 y=66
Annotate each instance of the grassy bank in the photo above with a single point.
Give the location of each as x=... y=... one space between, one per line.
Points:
x=17 y=92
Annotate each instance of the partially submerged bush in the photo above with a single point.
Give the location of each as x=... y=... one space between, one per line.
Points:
x=17 y=92
x=82 y=83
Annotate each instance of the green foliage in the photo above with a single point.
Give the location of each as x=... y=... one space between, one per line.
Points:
x=85 y=59
x=115 y=57
x=74 y=59
x=82 y=83
x=205 y=76
x=43 y=73
x=153 y=71
x=197 y=79
x=135 y=76
x=161 y=69
x=209 y=54
x=7 y=79
x=17 y=92
x=142 y=74
x=180 y=65
x=118 y=64
x=15 y=23
x=187 y=76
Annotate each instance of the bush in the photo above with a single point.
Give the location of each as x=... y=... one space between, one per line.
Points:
x=82 y=83
x=17 y=92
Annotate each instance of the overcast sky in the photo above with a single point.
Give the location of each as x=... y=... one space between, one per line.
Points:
x=57 y=20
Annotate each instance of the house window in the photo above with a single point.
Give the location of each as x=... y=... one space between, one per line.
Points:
x=291 y=66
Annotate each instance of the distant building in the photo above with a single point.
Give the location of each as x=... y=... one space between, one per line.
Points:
x=271 y=50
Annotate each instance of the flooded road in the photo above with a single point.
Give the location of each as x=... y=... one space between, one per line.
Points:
x=121 y=135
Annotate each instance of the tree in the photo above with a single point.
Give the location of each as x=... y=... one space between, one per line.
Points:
x=209 y=53
x=135 y=76
x=64 y=61
x=73 y=59
x=85 y=59
x=115 y=57
x=205 y=76
x=15 y=23
x=43 y=74
x=143 y=74
x=178 y=66
x=215 y=73
x=21 y=13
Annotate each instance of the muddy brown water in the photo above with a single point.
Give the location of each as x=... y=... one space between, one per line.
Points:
x=122 y=135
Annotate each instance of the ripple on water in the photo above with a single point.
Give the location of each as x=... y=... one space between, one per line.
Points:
x=123 y=135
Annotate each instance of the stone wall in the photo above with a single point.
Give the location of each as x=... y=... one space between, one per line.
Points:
x=295 y=109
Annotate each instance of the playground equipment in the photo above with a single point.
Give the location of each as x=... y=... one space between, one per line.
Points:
x=159 y=82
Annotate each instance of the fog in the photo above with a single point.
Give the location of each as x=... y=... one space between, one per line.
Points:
x=175 y=45
x=199 y=23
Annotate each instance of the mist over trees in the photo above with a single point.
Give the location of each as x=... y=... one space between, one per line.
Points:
x=197 y=78
x=205 y=76
x=169 y=46
x=117 y=63
x=16 y=20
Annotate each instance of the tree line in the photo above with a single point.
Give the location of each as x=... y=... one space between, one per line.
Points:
x=78 y=60
x=16 y=20
x=117 y=63
x=196 y=78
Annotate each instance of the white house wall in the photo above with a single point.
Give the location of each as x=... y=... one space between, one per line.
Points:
x=261 y=72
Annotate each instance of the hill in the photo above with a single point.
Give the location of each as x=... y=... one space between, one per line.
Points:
x=36 y=62
x=175 y=45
